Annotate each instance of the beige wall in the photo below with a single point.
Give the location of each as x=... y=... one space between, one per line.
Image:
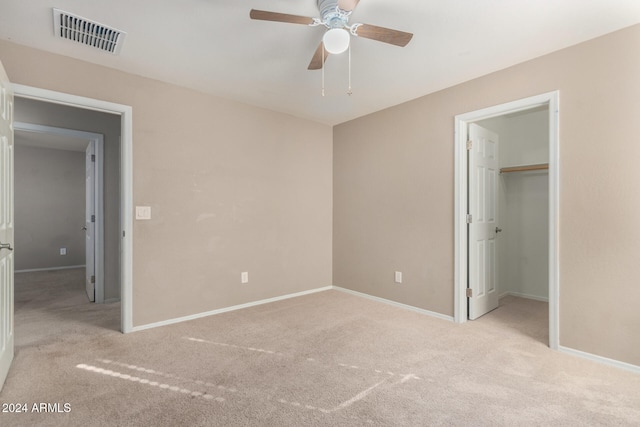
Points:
x=55 y=115
x=393 y=191
x=49 y=207
x=235 y=188
x=232 y=188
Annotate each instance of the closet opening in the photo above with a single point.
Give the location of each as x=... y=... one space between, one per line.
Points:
x=506 y=213
x=521 y=232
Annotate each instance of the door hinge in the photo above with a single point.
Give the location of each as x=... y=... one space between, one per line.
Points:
x=469 y=292
x=469 y=218
x=93 y=279
x=469 y=144
x=93 y=218
x=93 y=157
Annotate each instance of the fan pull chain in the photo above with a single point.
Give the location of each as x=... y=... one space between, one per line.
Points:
x=322 y=68
x=349 y=92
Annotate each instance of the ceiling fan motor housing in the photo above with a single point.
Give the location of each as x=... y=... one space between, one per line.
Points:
x=331 y=15
x=327 y=6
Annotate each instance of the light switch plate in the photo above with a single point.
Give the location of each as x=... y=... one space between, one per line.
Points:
x=398 y=277
x=143 y=212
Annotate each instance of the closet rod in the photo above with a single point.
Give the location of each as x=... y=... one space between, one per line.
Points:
x=525 y=168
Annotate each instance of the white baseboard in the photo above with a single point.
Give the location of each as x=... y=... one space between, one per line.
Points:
x=226 y=309
x=68 y=267
x=396 y=304
x=601 y=359
x=527 y=296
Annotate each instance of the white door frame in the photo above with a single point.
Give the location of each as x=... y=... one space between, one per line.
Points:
x=126 y=182
x=550 y=99
x=98 y=207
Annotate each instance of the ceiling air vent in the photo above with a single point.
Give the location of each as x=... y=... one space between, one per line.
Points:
x=82 y=30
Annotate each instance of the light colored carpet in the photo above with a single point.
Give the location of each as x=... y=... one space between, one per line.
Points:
x=327 y=359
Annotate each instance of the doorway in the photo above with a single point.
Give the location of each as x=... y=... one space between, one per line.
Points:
x=549 y=103
x=124 y=223
x=71 y=146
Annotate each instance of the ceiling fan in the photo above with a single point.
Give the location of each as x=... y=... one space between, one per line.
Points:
x=334 y=14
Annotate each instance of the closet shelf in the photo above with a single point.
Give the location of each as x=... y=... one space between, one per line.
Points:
x=524 y=168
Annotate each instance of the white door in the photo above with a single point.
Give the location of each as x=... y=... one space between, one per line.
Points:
x=6 y=225
x=90 y=221
x=483 y=208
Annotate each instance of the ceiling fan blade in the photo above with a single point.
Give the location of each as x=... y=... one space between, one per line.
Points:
x=347 y=5
x=381 y=34
x=264 y=15
x=316 y=62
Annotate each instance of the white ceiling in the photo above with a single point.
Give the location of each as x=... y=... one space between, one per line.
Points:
x=212 y=45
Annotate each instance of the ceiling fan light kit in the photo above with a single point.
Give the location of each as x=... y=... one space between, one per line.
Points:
x=336 y=40
x=334 y=15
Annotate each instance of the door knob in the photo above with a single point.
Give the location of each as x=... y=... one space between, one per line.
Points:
x=6 y=246
x=498 y=230
x=84 y=228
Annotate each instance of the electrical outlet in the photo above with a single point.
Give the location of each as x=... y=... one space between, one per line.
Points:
x=398 y=277
x=244 y=277
x=63 y=251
